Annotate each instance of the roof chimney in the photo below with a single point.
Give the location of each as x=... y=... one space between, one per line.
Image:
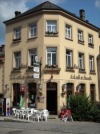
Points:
x=17 y=13
x=82 y=14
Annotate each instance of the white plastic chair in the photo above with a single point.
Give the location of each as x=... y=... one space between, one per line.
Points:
x=45 y=114
x=29 y=114
x=17 y=114
x=23 y=113
x=14 y=111
x=38 y=116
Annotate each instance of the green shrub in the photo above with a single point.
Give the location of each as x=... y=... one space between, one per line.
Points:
x=83 y=109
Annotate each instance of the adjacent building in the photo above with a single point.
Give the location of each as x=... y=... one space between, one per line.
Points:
x=50 y=54
x=2 y=61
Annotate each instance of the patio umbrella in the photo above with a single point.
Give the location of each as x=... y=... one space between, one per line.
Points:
x=21 y=101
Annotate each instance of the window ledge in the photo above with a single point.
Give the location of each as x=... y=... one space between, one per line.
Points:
x=92 y=72
x=51 y=34
x=81 y=42
x=70 y=69
x=16 y=70
x=16 y=40
x=91 y=45
x=30 y=68
x=49 y=70
x=68 y=39
x=30 y=38
x=82 y=71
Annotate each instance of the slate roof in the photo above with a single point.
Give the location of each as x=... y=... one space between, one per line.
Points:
x=46 y=6
x=43 y=6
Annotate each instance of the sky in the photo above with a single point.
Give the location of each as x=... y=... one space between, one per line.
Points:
x=8 y=8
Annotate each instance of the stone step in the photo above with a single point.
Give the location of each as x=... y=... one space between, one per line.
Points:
x=53 y=116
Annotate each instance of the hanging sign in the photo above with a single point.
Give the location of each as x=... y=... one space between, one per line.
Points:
x=36 y=69
x=36 y=75
x=36 y=63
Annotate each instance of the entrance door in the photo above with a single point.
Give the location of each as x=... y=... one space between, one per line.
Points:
x=16 y=94
x=32 y=95
x=52 y=97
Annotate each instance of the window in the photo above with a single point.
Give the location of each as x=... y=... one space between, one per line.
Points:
x=69 y=58
x=17 y=33
x=80 y=35
x=82 y=89
x=92 y=92
x=32 y=30
x=32 y=54
x=91 y=63
x=32 y=94
x=51 y=56
x=81 y=61
x=16 y=94
x=70 y=90
x=17 y=59
x=90 y=39
x=68 y=32
x=51 y=26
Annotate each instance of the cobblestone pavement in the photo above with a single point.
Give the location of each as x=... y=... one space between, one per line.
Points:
x=54 y=126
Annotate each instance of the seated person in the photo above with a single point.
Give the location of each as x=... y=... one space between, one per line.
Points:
x=66 y=115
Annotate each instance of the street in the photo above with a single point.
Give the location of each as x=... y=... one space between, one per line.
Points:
x=51 y=126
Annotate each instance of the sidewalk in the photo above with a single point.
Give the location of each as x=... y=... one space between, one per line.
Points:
x=13 y=119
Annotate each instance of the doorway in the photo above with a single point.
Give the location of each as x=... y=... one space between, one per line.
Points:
x=16 y=94
x=32 y=95
x=52 y=97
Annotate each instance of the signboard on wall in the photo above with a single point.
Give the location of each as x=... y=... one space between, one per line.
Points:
x=36 y=69
x=36 y=75
x=7 y=106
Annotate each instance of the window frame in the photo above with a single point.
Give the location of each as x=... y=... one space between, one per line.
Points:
x=81 y=67
x=68 y=31
x=32 y=30
x=53 y=27
x=92 y=92
x=17 y=60
x=17 y=33
x=32 y=56
x=51 y=56
x=91 y=65
x=69 y=57
x=80 y=36
x=90 y=39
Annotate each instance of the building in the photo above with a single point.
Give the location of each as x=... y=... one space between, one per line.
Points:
x=2 y=60
x=53 y=48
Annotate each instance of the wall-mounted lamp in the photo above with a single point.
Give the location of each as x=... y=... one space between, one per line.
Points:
x=6 y=87
x=64 y=88
x=39 y=86
x=78 y=88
